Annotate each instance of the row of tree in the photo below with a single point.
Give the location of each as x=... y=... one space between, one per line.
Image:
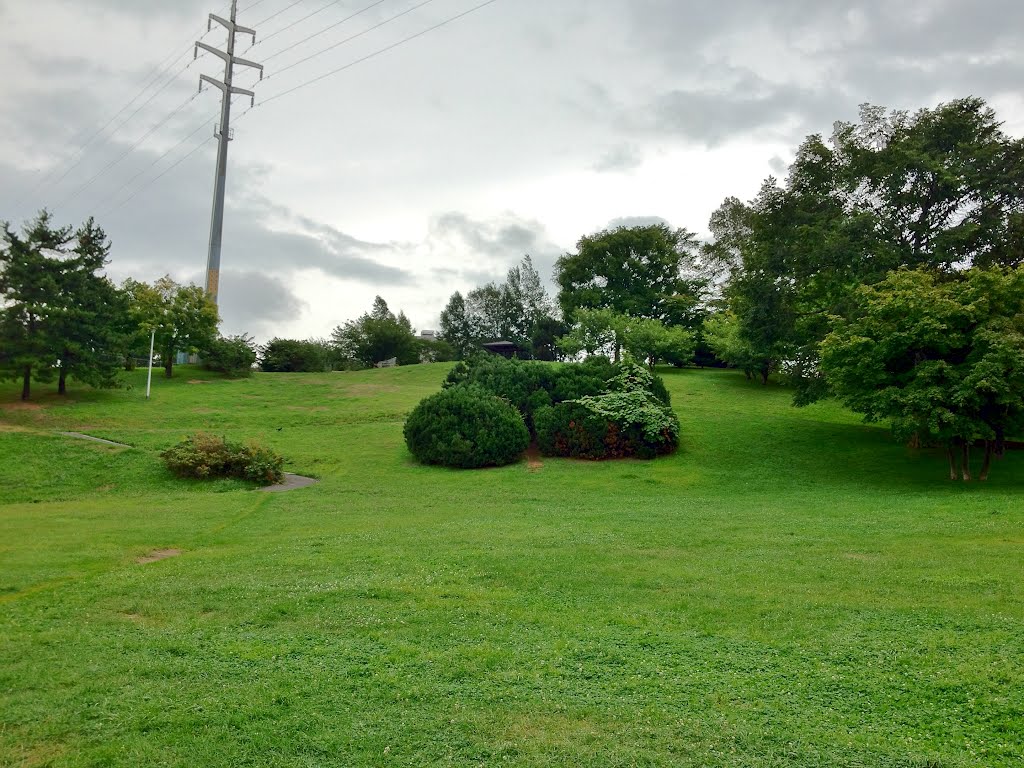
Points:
x=518 y=310
x=60 y=317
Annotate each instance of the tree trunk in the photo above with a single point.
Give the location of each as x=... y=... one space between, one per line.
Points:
x=986 y=465
x=966 y=462
x=764 y=375
x=953 y=474
x=62 y=381
x=26 y=383
x=168 y=366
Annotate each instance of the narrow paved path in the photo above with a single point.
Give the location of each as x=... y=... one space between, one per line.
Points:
x=291 y=482
x=80 y=436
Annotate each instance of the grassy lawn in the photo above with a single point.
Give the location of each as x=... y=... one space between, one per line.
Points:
x=791 y=589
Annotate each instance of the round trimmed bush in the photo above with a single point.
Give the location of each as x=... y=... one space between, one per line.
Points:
x=466 y=427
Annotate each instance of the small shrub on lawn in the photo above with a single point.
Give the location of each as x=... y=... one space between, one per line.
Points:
x=203 y=455
x=465 y=426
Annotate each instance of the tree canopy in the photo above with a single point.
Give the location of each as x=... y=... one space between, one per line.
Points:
x=938 y=189
x=518 y=310
x=642 y=272
x=941 y=357
x=184 y=318
x=59 y=315
x=377 y=336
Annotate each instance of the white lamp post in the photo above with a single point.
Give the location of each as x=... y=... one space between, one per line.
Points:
x=149 y=376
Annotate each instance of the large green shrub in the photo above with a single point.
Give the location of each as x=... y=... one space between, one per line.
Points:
x=294 y=356
x=233 y=355
x=592 y=410
x=511 y=380
x=628 y=420
x=203 y=455
x=465 y=426
x=529 y=385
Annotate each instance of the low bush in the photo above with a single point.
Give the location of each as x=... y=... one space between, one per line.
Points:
x=466 y=427
x=294 y=356
x=203 y=455
x=233 y=356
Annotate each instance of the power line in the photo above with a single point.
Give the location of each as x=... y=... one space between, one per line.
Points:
x=151 y=77
x=327 y=29
x=157 y=178
x=128 y=151
x=297 y=21
x=349 y=39
x=170 y=151
x=369 y=56
x=275 y=15
x=250 y=7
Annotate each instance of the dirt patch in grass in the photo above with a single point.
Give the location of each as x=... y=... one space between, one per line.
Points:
x=158 y=554
x=20 y=406
x=534 y=462
x=197 y=381
x=13 y=428
x=35 y=755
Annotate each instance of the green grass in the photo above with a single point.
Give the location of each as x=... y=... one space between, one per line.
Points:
x=791 y=589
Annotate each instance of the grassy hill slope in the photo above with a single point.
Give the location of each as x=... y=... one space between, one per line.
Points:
x=791 y=589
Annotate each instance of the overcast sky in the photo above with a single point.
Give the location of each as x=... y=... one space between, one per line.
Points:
x=437 y=165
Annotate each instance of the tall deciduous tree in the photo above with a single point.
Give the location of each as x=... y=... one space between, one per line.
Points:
x=940 y=357
x=458 y=328
x=516 y=310
x=184 y=317
x=643 y=272
x=939 y=188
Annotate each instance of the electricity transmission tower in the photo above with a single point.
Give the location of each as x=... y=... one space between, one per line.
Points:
x=223 y=134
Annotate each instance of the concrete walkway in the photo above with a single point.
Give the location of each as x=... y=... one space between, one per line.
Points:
x=291 y=482
x=80 y=436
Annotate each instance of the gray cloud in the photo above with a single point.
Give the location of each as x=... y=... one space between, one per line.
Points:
x=778 y=165
x=504 y=242
x=521 y=103
x=256 y=303
x=622 y=157
x=782 y=70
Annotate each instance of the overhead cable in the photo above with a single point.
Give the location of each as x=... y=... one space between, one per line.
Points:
x=350 y=38
x=376 y=53
x=325 y=29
